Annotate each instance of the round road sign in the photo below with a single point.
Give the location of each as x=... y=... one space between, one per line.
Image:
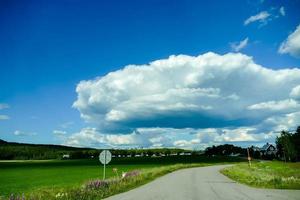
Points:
x=105 y=157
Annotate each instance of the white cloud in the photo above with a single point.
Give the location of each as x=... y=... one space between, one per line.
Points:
x=22 y=133
x=3 y=106
x=292 y=44
x=237 y=46
x=187 y=138
x=4 y=117
x=66 y=125
x=225 y=135
x=91 y=137
x=59 y=133
x=282 y=11
x=87 y=137
x=282 y=122
x=186 y=144
x=261 y=17
x=181 y=143
x=209 y=90
x=174 y=102
x=287 y=105
x=141 y=137
x=295 y=93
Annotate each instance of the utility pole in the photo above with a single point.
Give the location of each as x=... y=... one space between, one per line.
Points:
x=249 y=158
x=284 y=154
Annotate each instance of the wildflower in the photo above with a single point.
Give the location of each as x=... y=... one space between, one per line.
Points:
x=60 y=195
x=123 y=174
x=97 y=184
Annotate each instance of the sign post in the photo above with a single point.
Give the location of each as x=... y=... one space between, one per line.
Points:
x=249 y=158
x=104 y=158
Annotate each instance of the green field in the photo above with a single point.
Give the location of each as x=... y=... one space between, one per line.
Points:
x=26 y=176
x=268 y=174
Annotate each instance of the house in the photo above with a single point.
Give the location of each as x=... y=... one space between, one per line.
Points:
x=66 y=156
x=185 y=153
x=235 y=154
x=268 y=150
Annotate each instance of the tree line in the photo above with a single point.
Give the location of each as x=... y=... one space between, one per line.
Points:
x=288 y=145
x=288 y=149
x=22 y=151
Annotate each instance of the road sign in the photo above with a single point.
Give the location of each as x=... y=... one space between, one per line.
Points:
x=104 y=158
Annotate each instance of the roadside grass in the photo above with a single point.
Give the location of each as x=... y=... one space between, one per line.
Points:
x=107 y=187
x=269 y=174
x=46 y=179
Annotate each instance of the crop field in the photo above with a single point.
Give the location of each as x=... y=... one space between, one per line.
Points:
x=19 y=177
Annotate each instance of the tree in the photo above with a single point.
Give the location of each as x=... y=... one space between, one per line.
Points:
x=296 y=141
x=285 y=144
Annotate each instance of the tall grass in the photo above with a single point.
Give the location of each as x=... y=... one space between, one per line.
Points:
x=273 y=174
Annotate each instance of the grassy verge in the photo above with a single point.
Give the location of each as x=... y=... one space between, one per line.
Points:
x=271 y=174
x=99 y=189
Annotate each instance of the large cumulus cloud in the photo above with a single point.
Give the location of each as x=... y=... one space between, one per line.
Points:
x=188 y=138
x=206 y=91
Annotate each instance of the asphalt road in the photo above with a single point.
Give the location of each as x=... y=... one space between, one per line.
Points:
x=201 y=183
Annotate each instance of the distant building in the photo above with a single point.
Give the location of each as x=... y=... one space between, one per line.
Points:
x=268 y=150
x=185 y=153
x=66 y=156
x=235 y=154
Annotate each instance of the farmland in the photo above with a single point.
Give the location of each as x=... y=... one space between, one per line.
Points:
x=27 y=176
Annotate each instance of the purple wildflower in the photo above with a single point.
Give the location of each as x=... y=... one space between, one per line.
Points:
x=97 y=184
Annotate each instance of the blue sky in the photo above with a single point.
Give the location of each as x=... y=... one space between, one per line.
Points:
x=48 y=47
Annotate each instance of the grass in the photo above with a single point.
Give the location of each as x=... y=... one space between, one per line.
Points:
x=272 y=174
x=116 y=186
x=30 y=176
x=24 y=177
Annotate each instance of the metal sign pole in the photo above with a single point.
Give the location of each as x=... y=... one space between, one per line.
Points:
x=104 y=166
x=105 y=158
